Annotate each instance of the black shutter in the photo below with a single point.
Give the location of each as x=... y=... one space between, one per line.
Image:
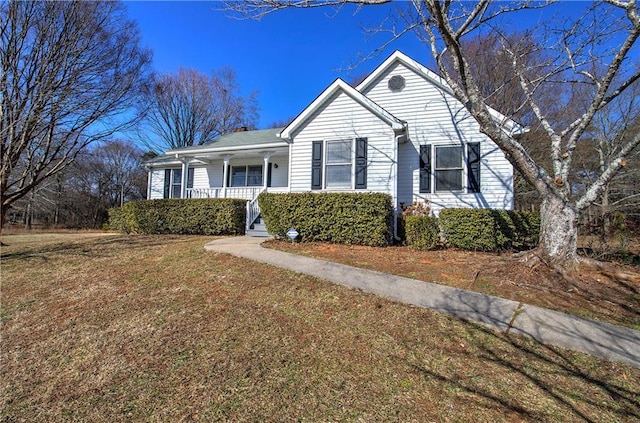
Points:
x=361 y=163
x=316 y=165
x=425 y=168
x=167 y=183
x=269 y=170
x=190 y=176
x=473 y=167
x=228 y=173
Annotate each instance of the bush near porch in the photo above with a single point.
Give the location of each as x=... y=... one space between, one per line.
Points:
x=206 y=216
x=342 y=218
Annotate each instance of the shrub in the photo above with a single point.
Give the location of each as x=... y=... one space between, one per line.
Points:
x=422 y=232
x=470 y=229
x=489 y=230
x=342 y=218
x=207 y=216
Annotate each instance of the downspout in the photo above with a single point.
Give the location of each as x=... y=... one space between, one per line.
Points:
x=394 y=195
x=290 y=142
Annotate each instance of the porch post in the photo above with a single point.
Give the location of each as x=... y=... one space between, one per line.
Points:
x=183 y=182
x=265 y=170
x=225 y=175
x=149 y=181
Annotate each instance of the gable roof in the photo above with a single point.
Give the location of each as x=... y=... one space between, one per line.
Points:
x=511 y=126
x=341 y=86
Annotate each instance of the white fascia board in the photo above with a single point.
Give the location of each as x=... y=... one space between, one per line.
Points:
x=163 y=164
x=210 y=150
x=340 y=85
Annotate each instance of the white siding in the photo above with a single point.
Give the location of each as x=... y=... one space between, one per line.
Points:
x=157 y=184
x=437 y=118
x=344 y=118
x=200 y=177
x=279 y=175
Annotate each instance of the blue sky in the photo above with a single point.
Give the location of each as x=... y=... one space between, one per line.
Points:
x=289 y=57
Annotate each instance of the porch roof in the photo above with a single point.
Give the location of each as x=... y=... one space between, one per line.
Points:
x=235 y=141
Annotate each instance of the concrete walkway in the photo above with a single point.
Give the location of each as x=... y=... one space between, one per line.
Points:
x=546 y=326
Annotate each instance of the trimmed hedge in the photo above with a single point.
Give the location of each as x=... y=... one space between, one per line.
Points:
x=206 y=216
x=342 y=218
x=489 y=230
x=422 y=232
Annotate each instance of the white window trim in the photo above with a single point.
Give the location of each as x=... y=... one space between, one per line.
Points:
x=173 y=184
x=246 y=175
x=178 y=183
x=463 y=158
x=352 y=163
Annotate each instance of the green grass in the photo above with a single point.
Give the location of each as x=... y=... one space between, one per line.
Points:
x=154 y=328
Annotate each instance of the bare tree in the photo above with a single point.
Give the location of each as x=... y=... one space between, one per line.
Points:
x=102 y=176
x=611 y=129
x=106 y=176
x=281 y=123
x=71 y=73
x=592 y=49
x=190 y=108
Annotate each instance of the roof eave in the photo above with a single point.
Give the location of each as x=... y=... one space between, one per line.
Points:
x=225 y=149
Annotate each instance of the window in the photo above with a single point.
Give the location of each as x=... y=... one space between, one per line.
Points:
x=396 y=83
x=254 y=176
x=246 y=176
x=448 y=171
x=335 y=166
x=338 y=164
x=449 y=168
x=173 y=182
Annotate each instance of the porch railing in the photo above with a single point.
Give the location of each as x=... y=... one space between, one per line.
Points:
x=244 y=193
x=253 y=211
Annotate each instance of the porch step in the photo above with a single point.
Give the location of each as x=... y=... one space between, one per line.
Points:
x=258 y=230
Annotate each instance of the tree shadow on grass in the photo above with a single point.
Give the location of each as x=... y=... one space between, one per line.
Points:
x=531 y=331
x=94 y=247
x=544 y=368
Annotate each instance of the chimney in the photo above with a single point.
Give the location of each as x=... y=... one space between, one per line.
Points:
x=241 y=129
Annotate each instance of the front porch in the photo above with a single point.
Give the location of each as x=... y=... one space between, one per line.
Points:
x=243 y=193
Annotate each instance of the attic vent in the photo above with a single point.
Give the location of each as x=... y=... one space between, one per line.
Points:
x=396 y=83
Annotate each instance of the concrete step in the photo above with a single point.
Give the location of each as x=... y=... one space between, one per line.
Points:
x=258 y=230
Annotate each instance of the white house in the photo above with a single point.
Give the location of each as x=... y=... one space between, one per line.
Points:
x=401 y=132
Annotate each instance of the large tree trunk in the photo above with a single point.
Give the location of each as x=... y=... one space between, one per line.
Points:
x=558 y=232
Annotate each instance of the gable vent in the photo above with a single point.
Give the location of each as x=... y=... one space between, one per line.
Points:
x=396 y=83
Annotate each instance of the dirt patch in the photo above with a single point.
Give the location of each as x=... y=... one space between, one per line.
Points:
x=599 y=295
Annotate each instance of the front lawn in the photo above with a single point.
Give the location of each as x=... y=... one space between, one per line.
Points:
x=154 y=328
